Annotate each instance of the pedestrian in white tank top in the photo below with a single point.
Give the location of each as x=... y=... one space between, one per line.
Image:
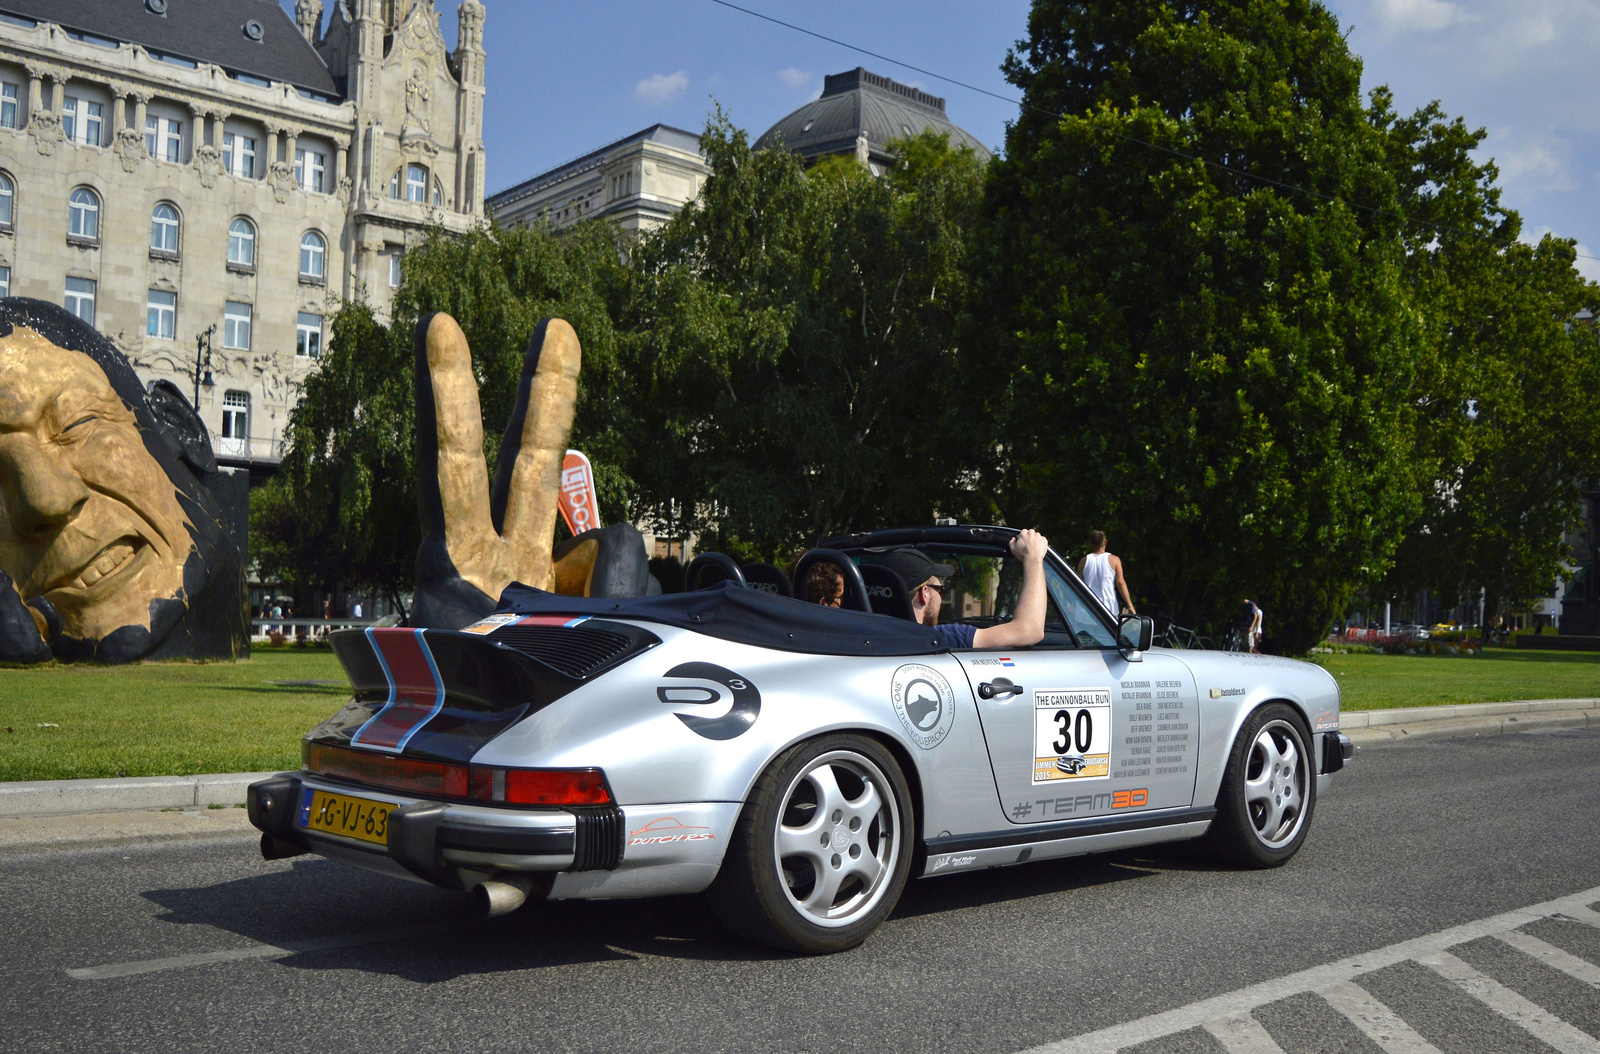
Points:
x=1102 y=573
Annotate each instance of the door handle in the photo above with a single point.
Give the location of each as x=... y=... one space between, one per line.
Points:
x=999 y=688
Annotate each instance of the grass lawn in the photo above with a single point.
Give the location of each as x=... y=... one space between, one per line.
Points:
x=164 y=719
x=1379 y=682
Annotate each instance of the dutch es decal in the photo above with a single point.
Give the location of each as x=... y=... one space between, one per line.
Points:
x=738 y=719
x=1071 y=734
x=924 y=703
x=669 y=829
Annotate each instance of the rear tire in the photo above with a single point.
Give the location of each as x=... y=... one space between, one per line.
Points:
x=1268 y=791
x=822 y=849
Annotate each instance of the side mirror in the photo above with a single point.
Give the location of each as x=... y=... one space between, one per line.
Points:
x=1134 y=633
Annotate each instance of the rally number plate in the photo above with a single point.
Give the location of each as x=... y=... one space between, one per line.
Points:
x=343 y=814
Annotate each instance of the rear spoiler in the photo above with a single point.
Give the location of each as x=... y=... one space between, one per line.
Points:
x=443 y=695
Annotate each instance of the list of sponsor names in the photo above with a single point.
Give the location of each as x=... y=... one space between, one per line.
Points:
x=1157 y=737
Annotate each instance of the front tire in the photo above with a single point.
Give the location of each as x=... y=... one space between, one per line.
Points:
x=1268 y=791
x=822 y=849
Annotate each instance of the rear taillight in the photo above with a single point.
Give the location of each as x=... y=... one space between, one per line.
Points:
x=540 y=786
x=435 y=779
x=427 y=779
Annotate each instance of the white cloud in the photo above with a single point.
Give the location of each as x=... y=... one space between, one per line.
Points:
x=1532 y=160
x=1586 y=263
x=662 y=87
x=1426 y=16
x=795 y=79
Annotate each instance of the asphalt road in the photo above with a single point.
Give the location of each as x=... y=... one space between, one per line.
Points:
x=1413 y=839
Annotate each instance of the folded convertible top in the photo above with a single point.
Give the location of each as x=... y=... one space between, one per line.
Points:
x=748 y=616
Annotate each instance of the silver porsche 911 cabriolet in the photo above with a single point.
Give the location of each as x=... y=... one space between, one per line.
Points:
x=796 y=762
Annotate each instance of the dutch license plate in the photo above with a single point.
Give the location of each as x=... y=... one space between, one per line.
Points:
x=343 y=814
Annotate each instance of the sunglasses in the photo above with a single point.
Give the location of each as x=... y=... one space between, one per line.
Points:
x=935 y=587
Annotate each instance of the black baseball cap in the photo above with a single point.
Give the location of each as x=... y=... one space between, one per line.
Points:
x=914 y=566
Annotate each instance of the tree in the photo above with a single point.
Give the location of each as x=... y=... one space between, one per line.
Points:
x=792 y=334
x=1213 y=366
x=1517 y=435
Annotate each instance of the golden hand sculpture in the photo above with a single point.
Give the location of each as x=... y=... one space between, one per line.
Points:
x=478 y=539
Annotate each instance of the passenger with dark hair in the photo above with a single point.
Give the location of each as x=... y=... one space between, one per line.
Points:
x=824 y=584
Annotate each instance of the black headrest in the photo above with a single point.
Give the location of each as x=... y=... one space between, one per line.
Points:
x=707 y=569
x=887 y=591
x=768 y=579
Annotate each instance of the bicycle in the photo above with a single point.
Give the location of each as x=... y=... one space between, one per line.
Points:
x=1183 y=638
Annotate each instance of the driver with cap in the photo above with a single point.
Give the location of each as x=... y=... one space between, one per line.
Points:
x=922 y=576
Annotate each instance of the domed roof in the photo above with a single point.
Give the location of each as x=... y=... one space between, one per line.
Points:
x=860 y=102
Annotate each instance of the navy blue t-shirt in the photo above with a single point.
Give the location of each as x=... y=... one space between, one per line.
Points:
x=956 y=635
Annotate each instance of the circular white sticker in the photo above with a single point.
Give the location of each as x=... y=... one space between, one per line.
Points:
x=926 y=705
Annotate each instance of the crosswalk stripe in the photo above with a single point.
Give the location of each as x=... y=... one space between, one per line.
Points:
x=1319 y=978
x=1508 y=1004
x=1242 y=1034
x=1551 y=956
x=1376 y=1021
x=1584 y=915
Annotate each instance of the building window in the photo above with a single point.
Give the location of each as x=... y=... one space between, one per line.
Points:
x=8 y=195
x=241 y=243
x=163 y=314
x=394 y=271
x=80 y=298
x=394 y=185
x=164 y=229
x=416 y=183
x=236 y=326
x=235 y=421
x=83 y=214
x=313 y=251
x=308 y=336
x=163 y=138
x=239 y=155
x=310 y=169
x=5 y=281
x=438 y=194
x=80 y=120
x=8 y=105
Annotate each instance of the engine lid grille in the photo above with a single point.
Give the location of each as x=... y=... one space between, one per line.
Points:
x=578 y=647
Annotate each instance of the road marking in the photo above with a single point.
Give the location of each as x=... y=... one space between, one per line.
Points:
x=1242 y=1034
x=1554 y=957
x=251 y=951
x=1376 y=1021
x=1511 y=1006
x=1320 y=978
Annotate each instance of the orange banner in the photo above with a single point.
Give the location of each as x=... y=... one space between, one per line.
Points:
x=580 y=506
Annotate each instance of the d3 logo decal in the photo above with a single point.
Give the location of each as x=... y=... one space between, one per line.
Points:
x=924 y=703
x=738 y=719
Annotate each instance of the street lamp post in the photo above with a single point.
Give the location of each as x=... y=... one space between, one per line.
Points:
x=202 y=361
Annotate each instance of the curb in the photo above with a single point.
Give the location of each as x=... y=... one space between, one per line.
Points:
x=56 y=797
x=1372 y=727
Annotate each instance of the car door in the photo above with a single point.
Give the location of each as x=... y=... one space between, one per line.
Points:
x=1074 y=729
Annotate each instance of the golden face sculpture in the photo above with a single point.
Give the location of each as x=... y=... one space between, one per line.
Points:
x=89 y=520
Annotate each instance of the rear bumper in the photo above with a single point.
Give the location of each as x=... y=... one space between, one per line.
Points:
x=433 y=840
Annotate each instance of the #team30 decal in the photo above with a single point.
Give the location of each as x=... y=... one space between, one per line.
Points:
x=1071 y=734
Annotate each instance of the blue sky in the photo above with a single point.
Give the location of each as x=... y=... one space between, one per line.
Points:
x=565 y=77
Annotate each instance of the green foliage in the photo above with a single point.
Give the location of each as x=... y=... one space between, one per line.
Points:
x=792 y=334
x=1216 y=370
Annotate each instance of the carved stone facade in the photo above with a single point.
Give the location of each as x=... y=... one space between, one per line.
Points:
x=239 y=193
x=638 y=182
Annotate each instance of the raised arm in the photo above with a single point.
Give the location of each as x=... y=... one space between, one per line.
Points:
x=1027 y=627
x=1122 y=587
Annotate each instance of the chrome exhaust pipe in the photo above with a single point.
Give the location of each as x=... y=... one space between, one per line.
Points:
x=490 y=899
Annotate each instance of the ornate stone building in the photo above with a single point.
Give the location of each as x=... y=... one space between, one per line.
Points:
x=639 y=182
x=203 y=179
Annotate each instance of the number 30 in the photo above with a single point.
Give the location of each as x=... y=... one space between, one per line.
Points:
x=1082 y=728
